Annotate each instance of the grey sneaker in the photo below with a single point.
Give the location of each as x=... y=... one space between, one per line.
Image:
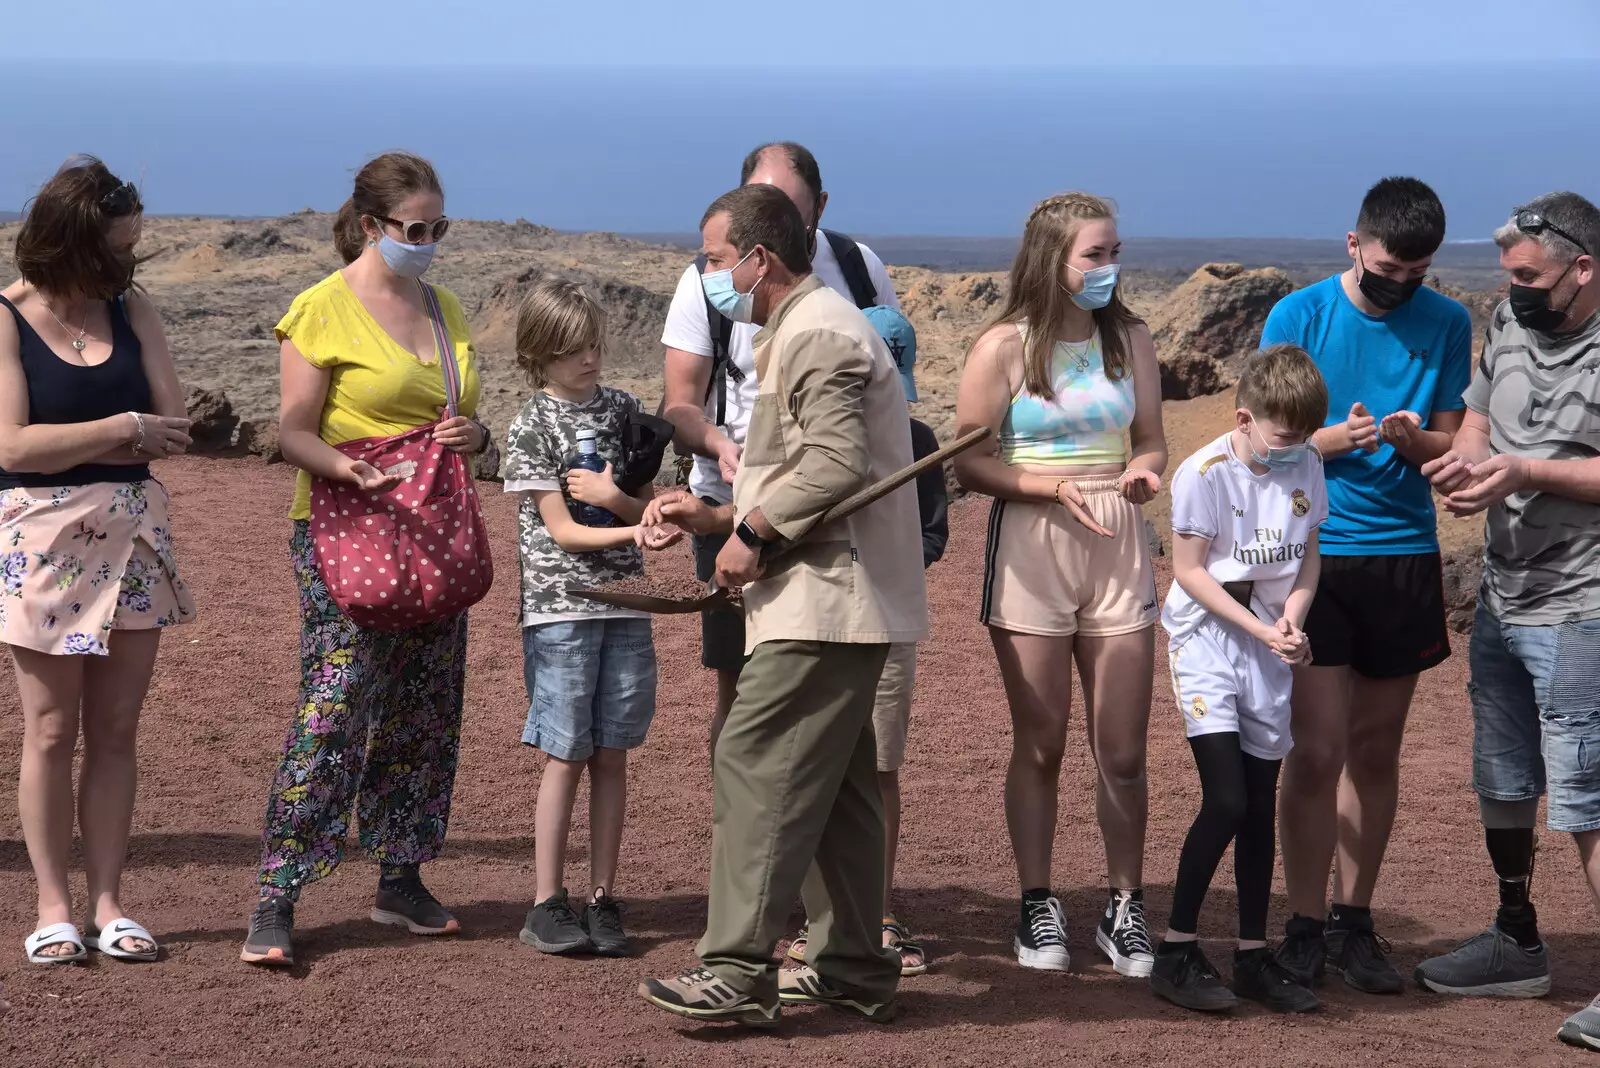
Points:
x=1582 y=1028
x=697 y=994
x=553 y=927
x=1490 y=964
x=602 y=920
x=270 y=940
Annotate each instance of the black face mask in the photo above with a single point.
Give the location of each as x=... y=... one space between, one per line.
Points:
x=1531 y=306
x=1385 y=293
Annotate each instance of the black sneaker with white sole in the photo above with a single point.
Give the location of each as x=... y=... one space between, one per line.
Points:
x=1123 y=937
x=602 y=922
x=1041 y=939
x=697 y=994
x=552 y=926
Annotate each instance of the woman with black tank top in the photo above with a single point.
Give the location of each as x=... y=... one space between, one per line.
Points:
x=88 y=398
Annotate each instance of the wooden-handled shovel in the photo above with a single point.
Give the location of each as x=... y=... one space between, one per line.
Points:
x=715 y=597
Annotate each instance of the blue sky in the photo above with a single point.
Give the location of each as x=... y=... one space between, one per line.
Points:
x=712 y=37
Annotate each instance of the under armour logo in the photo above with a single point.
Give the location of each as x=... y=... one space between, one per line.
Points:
x=1418 y=354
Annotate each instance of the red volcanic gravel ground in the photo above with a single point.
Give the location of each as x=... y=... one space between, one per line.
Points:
x=364 y=994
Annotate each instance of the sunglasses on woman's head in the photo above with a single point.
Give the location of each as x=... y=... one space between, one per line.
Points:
x=1533 y=224
x=123 y=200
x=416 y=231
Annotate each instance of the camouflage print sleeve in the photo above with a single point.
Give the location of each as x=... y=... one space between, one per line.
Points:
x=530 y=463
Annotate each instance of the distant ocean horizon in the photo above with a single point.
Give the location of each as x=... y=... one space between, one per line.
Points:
x=1254 y=153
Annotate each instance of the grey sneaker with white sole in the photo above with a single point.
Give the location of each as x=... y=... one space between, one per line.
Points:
x=1491 y=964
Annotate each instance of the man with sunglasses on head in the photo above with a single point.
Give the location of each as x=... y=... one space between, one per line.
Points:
x=1528 y=454
x=1396 y=357
x=711 y=377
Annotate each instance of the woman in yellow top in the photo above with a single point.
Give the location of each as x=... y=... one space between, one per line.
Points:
x=380 y=711
x=1063 y=374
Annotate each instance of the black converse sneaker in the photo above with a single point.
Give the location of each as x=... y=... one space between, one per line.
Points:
x=1123 y=936
x=1041 y=939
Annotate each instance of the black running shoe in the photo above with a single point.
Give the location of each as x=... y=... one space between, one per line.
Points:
x=1184 y=977
x=602 y=921
x=1258 y=976
x=405 y=902
x=1361 y=954
x=271 y=930
x=1304 y=950
x=553 y=927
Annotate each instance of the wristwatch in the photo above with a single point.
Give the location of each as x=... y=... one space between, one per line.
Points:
x=747 y=534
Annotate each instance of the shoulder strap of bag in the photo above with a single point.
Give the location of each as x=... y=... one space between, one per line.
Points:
x=444 y=350
x=853 y=265
x=721 y=339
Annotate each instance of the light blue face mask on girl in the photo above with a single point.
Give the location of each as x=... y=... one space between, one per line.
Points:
x=1278 y=458
x=723 y=296
x=1099 y=285
x=407 y=261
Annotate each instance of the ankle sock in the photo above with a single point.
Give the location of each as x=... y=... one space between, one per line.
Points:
x=1348 y=917
x=1167 y=949
x=1308 y=924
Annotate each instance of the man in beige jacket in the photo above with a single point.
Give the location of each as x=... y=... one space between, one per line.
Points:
x=797 y=805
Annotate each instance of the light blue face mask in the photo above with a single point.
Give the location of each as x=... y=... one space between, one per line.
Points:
x=723 y=296
x=1098 y=286
x=407 y=261
x=1278 y=458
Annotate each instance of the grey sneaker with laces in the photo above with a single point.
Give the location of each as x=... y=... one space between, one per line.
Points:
x=271 y=930
x=1582 y=1028
x=552 y=926
x=602 y=920
x=1490 y=964
x=1123 y=936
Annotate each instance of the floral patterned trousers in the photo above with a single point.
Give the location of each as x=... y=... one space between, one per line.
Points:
x=379 y=721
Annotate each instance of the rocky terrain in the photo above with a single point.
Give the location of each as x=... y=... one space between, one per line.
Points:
x=222 y=284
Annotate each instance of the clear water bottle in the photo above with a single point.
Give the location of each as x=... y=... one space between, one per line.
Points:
x=588 y=459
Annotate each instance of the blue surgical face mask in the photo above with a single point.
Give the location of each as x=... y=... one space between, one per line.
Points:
x=1278 y=458
x=407 y=261
x=723 y=296
x=1099 y=285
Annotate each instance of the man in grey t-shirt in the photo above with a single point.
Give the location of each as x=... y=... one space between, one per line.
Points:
x=1528 y=452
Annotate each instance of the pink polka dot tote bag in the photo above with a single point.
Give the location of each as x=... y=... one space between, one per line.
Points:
x=415 y=553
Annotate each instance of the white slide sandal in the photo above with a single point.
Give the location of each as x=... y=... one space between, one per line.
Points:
x=54 y=935
x=105 y=940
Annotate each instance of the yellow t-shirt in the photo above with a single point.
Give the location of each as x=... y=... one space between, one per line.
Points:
x=378 y=389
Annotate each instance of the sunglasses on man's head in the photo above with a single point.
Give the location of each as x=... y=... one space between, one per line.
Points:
x=123 y=200
x=416 y=231
x=1533 y=224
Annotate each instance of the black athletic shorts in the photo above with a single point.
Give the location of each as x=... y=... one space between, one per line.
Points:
x=721 y=631
x=1383 y=616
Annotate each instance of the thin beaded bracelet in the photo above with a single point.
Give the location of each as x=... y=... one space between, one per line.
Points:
x=138 y=442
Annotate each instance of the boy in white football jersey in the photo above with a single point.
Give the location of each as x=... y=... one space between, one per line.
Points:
x=1245 y=512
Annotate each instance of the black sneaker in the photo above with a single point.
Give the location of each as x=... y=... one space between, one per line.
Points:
x=271 y=928
x=1184 y=977
x=1258 y=976
x=1360 y=953
x=1041 y=939
x=405 y=902
x=1123 y=936
x=1304 y=950
x=602 y=921
x=552 y=927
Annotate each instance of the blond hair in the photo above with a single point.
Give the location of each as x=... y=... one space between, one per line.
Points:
x=556 y=318
x=1282 y=383
x=1036 y=294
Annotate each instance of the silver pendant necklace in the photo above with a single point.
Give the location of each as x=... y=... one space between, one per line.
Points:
x=78 y=342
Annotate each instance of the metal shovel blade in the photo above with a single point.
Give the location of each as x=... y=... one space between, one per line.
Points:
x=643 y=602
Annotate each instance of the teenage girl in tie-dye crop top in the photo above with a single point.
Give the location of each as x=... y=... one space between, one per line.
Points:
x=1086 y=422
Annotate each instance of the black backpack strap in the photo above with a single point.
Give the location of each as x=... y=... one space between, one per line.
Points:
x=853 y=265
x=721 y=338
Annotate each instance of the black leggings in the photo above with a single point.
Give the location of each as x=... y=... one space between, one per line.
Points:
x=1239 y=804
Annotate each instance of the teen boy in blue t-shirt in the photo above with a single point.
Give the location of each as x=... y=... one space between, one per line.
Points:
x=1396 y=357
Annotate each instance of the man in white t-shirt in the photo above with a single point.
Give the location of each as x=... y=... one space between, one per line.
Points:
x=1245 y=513
x=710 y=412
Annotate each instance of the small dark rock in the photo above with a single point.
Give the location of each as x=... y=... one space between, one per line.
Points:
x=214 y=420
x=261 y=439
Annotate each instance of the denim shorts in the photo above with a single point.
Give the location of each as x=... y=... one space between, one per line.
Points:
x=1536 y=716
x=591 y=684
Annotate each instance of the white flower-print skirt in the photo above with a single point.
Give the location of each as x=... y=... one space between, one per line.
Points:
x=78 y=562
